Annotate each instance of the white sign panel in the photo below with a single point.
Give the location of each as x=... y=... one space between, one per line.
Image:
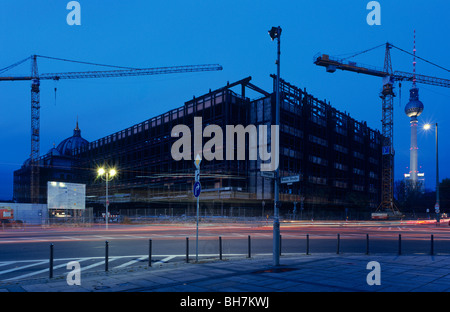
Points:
x=268 y=174
x=62 y=195
x=290 y=179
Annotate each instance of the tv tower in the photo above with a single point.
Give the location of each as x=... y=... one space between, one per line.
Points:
x=413 y=109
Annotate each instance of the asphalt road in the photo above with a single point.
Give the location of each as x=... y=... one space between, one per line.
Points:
x=24 y=253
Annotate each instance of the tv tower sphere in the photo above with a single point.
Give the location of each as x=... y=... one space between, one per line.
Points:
x=414 y=107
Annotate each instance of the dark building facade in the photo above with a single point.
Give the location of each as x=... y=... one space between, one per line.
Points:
x=58 y=164
x=336 y=158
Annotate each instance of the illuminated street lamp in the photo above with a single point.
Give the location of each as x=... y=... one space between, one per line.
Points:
x=106 y=176
x=436 y=206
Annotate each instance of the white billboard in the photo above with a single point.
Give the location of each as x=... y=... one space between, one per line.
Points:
x=63 y=195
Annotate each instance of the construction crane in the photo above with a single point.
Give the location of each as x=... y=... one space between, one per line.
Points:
x=387 y=96
x=35 y=79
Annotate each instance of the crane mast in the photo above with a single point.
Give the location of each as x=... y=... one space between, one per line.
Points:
x=387 y=172
x=35 y=129
x=35 y=79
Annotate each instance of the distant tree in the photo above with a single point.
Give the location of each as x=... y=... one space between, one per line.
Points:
x=413 y=200
x=357 y=200
x=400 y=192
x=357 y=205
x=444 y=195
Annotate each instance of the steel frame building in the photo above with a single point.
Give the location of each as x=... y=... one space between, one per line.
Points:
x=337 y=158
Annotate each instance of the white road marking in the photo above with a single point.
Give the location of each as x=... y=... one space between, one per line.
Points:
x=104 y=237
x=134 y=236
x=123 y=265
x=238 y=235
x=137 y=258
x=165 y=259
x=23 y=267
x=98 y=263
x=41 y=271
x=71 y=238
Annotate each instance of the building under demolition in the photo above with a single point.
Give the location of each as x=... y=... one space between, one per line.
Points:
x=333 y=161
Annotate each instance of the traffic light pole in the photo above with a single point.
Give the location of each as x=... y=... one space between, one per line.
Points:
x=197 y=194
x=436 y=207
x=196 y=235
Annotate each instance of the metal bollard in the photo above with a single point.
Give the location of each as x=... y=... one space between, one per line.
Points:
x=149 y=252
x=187 y=249
x=106 y=255
x=50 y=269
x=399 y=244
x=220 y=248
x=338 y=243
x=367 y=244
x=249 y=247
x=307 y=244
x=432 y=245
x=280 y=244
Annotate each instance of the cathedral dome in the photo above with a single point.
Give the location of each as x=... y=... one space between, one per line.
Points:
x=66 y=146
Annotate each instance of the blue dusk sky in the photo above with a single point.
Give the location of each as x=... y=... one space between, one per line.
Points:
x=234 y=34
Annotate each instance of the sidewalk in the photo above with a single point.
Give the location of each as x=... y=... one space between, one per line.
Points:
x=312 y=273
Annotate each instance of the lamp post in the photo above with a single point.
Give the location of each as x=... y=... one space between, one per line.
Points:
x=106 y=176
x=275 y=33
x=436 y=206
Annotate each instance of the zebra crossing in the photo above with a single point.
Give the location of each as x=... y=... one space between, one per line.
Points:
x=16 y=270
x=11 y=271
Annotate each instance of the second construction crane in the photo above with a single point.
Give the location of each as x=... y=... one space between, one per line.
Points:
x=387 y=95
x=35 y=79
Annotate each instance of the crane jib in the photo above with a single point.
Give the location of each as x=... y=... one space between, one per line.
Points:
x=118 y=73
x=35 y=100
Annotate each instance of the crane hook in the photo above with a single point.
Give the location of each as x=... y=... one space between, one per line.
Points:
x=56 y=88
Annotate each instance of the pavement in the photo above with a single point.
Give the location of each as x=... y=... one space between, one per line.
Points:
x=296 y=273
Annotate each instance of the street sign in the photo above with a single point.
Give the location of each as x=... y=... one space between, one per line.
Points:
x=290 y=179
x=197 y=189
x=436 y=208
x=197 y=175
x=268 y=174
x=197 y=161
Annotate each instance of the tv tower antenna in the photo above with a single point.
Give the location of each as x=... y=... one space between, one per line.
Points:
x=414 y=60
x=413 y=109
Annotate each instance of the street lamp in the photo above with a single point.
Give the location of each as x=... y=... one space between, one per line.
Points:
x=436 y=206
x=275 y=33
x=106 y=176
